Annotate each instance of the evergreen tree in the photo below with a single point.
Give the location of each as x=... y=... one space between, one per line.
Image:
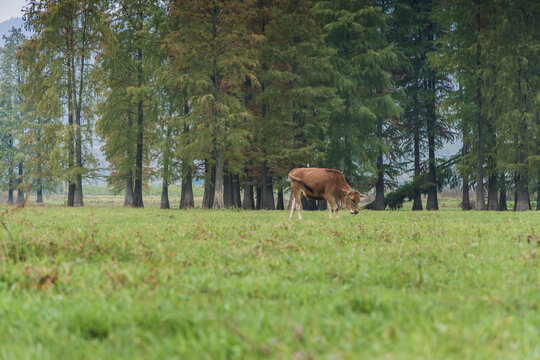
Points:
x=130 y=107
x=210 y=49
x=58 y=59
x=363 y=58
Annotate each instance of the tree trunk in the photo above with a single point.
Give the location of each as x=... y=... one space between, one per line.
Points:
x=20 y=187
x=209 y=185
x=432 y=202
x=493 y=188
x=479 y=140
x=165 y=196
x=523 y=200
x=186 y=198
x=267 y=196
x=465 y=201
x=249 y=203
x=137 y=191
x=11 y=184
x=502 y=200
x=538 y=196
x=78 y=193
x=417 y=203
x=70 y=140
x=258 y=191
x=218 y=197
x=71 y=193
x=237 y=197
x=378 y=204
x=39 y=194
x=280 y=203
x=227 y=190
x=128 y=199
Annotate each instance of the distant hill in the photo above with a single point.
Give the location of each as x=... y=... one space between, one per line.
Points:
x=5 y=26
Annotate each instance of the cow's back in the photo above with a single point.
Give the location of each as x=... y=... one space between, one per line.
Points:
x=320 y=179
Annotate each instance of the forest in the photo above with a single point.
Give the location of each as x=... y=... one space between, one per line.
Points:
x=236 y=93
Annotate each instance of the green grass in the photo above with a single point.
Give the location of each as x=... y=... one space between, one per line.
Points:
x=111 y=282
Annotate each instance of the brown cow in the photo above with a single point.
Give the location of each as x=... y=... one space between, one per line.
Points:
x=322 y=184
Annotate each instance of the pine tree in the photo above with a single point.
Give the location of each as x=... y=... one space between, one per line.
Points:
x=210 y=51
x=58 y=59
x=131 y=102
x=363 y=58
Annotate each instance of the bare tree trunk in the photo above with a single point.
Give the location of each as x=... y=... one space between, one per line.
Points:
x=20 y=189
x=137 y=191
x=227 y=190
x=538 y=196
x=11 y=186
x=209 y=185
x=249 y=203
x=39 y=197
x=465 y=201
x=258 y=190
x=523 y=201
x=186 y=199
x=165 y=195
x=502 y=199
x=378 y=204
x=128 y=199
x=432 y=201
x=280 y=203
x=267 y=196
x=70 y=140
x=237 y=198
x=71 y=193
x=218 y=197
x=479 y=140
x=417 y=203
x=493 y=188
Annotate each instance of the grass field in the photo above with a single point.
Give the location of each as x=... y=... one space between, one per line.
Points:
x=112 y=282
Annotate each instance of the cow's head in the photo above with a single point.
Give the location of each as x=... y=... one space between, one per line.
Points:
x=352 y=199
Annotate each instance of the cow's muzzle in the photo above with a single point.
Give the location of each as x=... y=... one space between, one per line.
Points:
x=354 y=212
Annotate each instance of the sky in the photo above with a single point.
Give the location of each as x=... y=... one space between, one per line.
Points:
x=10 y=8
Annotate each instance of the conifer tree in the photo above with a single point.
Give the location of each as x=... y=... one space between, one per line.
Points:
x=58 y=58
x=131 y=102
x=211 y=55
x=363 y=59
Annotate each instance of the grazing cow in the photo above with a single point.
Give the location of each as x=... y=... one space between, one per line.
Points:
x=322 y=184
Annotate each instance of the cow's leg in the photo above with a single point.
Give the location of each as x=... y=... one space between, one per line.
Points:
x=333 y=206
x=298 y=203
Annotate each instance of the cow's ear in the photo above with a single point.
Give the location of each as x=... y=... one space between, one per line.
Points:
x=343 y=192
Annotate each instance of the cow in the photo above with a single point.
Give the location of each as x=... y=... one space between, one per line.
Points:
x=322 y=184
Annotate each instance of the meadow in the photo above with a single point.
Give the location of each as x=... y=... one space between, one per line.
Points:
x=111 y=282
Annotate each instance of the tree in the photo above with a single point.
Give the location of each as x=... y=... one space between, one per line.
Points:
x=130 y=101
x=210 y=50
x=362 y=60
x=58 y=59
x=12 y=119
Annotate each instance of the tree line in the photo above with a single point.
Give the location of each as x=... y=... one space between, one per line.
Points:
x=239 y=92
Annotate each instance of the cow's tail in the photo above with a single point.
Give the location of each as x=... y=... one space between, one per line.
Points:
x=294 y=178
